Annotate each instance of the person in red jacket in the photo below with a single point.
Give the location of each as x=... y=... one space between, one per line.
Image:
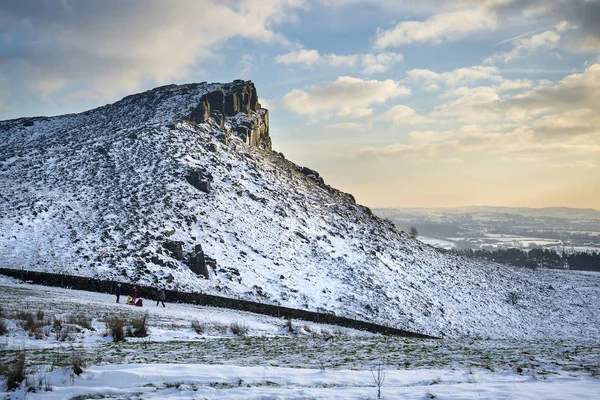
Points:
x=133 y=295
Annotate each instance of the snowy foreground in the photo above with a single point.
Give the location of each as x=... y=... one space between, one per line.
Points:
x=171 y=381
x=268 y=362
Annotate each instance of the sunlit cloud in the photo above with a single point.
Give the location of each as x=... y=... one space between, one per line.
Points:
x=459 y=76
x=345 y=97
x=113 y=49
x=402 y=115
x=445 y=27
x=368 y=63
x=544 y=41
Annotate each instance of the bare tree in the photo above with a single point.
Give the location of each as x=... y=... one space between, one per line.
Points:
x=378 y=374
x=414 y=232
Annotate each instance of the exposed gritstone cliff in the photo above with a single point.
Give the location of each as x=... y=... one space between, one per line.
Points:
x=178 y=186
x=238 y=104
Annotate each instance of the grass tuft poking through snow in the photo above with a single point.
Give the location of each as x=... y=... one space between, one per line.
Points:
x=238 y=328
x=115 y=327
x=15 y=371
x=139 y=325
x=198 y=327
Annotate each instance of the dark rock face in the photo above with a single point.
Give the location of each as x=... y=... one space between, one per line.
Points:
x=200 y=179
x=175 y=247
x=197 y=262
x=311 y=173
x=255 y=132
x=237 y=98
x=202 y=112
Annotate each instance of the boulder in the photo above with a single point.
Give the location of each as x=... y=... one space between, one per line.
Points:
x=175 y=247
x=311 y=173
x=197 y=262
x=200 y=179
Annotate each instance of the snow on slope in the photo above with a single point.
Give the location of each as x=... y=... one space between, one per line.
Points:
x=102 y=193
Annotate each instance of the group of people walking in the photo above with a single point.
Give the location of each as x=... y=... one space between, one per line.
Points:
x=135 y=301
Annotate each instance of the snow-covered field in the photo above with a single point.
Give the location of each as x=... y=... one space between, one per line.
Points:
x=269 y=362
x=201 y=381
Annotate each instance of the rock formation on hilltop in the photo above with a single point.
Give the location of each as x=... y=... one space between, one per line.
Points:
x=238 y=102
x=178 y=186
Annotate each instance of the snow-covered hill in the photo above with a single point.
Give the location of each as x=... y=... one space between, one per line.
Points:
x=178 y=183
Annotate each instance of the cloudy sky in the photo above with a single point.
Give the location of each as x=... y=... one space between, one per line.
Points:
x=402 y=103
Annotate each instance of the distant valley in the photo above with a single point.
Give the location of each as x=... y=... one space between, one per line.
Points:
x=568 y=229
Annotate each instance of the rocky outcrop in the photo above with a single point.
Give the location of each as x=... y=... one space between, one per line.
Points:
x=311 y=173
x=200 y=179
x=175 y=248
x=197 y=263
x=237 y=105
x=255 y=132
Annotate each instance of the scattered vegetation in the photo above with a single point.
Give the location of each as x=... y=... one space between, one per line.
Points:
x=513 y=298
x=115 y=326
x=289 y=325
x=238 y=328
x=3 y=327
x=77 y=363
x=414 y=232
x=27 y=320
x=81 y=320
x=321 y=365
x=39 y=382
x=119 y=327
x=139 y=325
x=198 y=327
x=537 y=258
x=64 y=333
x=378 y=374
x=15 y=371
x=222 y=329
x=32 y=323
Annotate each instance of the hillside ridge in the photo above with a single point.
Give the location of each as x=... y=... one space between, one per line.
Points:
x=178 y=187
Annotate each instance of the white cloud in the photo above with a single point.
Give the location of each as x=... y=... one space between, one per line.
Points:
x=346 y=97
x=572 y=122
x=514 y=85
x=542 y=41
x=587 y=164
x=346 y=126
x=247 y=63
x=484 y=103
x=454 y=160
x=478 y=104
x=459 y=143
x=459 y=76
x=575 y=91
x=555 y=122
x=402 y=115
x=265 y=103
x=369 y=63
x=112 y=48
x=377 y=63
x=445 y=27
x=304 y=57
